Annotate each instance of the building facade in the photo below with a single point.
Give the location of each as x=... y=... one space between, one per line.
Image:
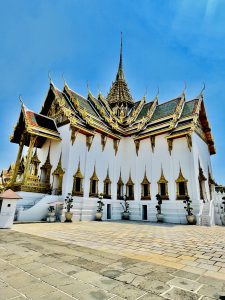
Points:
x=116 y=146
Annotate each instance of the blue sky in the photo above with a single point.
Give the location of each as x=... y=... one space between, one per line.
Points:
x=165 y=43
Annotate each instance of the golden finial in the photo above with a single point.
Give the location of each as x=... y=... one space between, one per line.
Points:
x=64 y=81
x=185 y=87
x=156 y=96
x=20 y=98
x=201 y=93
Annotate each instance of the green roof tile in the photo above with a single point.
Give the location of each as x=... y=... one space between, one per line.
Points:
x=144 y=110
x=165 y=109
x=84 y=104
x=188 y=108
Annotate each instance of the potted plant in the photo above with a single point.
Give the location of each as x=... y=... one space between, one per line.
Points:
x=98 y=214
x=159 y=214
x=68 y=206
x=191 y=219
x=125 y=213
x=51 y=214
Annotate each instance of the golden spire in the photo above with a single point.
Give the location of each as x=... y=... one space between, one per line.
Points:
x=119 y=91
x=64 y=81
x=48 y=155
x=78 y=172
x=59 y=169
x=120 y=75
x=60 y=161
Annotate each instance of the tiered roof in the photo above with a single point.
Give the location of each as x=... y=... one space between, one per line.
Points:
x=175 y=118
x=32 y=123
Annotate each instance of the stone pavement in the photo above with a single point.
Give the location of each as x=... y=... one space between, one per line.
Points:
x=139 y=261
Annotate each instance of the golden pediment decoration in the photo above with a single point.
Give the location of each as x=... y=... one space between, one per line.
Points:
x=103 y=141
x=170 y=145
x=74 y=133
x=116 y=145
x=89 y=140
x=152 y=140
x=189 y=141
x=137 y=146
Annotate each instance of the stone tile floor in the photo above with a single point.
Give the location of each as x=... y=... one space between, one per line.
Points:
x=110 y=260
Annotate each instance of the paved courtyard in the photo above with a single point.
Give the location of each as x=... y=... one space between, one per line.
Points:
x=112 y=260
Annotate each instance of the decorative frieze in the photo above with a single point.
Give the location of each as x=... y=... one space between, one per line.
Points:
x=189 y=141
x=116 y=145
x=137 y=146
x=170 y=145
x=89 y=140
x=103 y=141
x=152 y=140
x=74 y=133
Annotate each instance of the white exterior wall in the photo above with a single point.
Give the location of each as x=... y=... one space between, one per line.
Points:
x=127 y=161
x=201 y=153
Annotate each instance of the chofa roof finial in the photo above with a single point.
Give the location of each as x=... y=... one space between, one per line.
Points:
x=49 y=77
x=185 y=88
x=64 y=81
x=21 y=100
x=202 y=90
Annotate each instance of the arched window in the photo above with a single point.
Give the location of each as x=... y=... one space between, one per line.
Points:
x=145 y=188
x=46 y=170
x=78 y=183
x=163 y=187
x=120 y=185
x=58 y=178
x=94 y=184
x=107 y=187
x=130 y=189
x=181 y=183
x=34 y=164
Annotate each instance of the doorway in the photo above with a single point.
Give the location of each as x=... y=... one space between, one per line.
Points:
x=108 y=211
x=144 y=212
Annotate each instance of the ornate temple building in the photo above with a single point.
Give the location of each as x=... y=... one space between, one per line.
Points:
x=116 y=146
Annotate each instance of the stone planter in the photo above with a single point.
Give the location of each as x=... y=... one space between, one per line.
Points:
x=125 y=215
x=98 y=216
x=191 y=220
x=68 y=216
x=51 y=214
x=52 y=219
x=159 y=218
